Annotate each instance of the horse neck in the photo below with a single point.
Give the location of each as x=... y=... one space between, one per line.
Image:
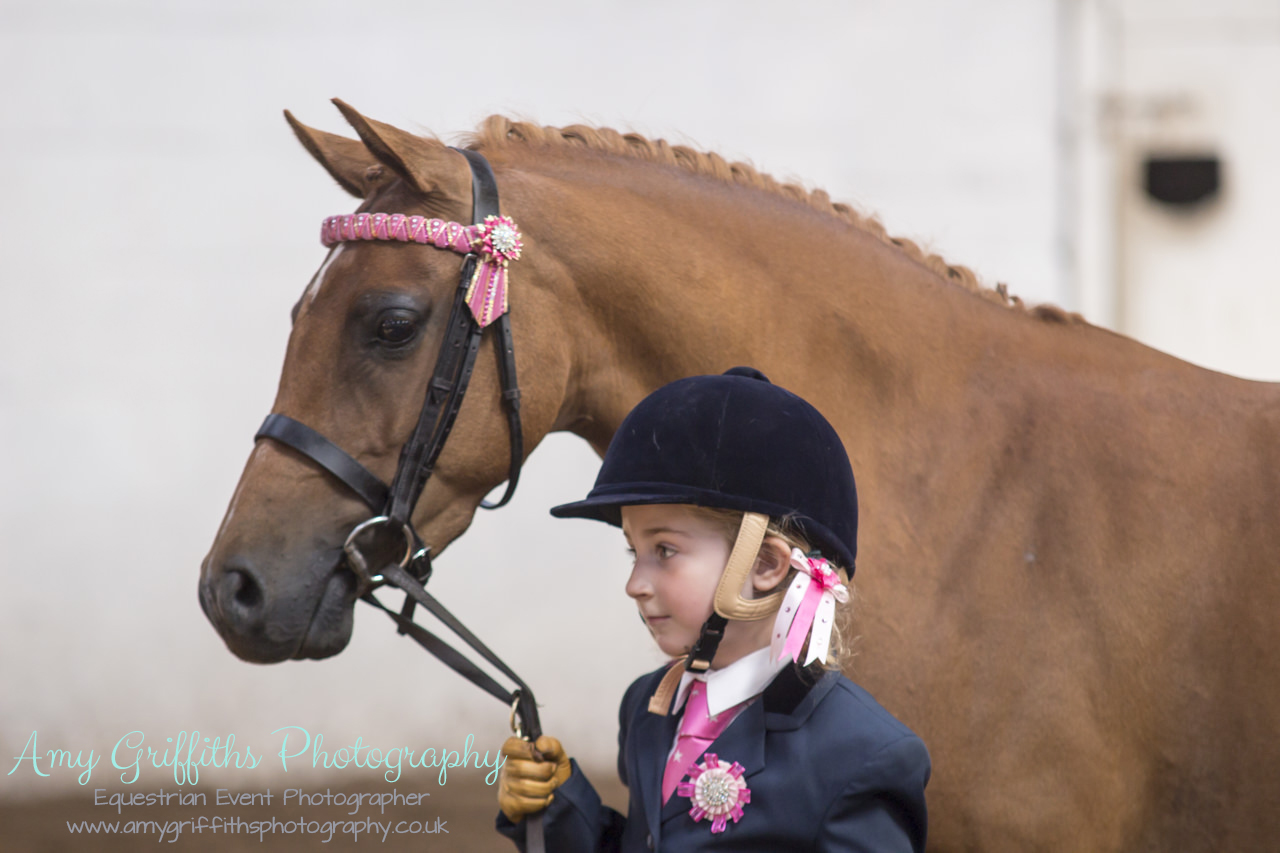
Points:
x=676 y=275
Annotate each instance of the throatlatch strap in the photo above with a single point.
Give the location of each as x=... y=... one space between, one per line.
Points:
x=511 y=400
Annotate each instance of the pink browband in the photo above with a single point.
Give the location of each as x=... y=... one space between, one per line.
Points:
x=496 y=240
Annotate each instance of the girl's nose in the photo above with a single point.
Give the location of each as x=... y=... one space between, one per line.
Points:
x=638 y=586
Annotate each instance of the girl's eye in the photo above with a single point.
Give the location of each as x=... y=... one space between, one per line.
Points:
x=396 y=328
x=665 y=552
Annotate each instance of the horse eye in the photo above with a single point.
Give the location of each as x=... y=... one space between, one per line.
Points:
x=396 y=329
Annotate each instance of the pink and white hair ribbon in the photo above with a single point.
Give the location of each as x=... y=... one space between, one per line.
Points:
x=497 y=241
x=810 y=603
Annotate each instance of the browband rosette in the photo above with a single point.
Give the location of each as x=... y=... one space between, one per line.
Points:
x=496 y=241
x=499 y=239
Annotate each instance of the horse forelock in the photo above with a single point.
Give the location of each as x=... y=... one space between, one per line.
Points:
x=499 y=132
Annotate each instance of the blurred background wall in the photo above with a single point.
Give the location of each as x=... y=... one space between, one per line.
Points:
x=1116 y=157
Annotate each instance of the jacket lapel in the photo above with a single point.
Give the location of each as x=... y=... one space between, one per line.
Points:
x=651 y=740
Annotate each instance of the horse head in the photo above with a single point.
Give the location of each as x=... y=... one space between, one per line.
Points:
x=366 y=334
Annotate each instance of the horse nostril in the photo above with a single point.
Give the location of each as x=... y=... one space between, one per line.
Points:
x=247 y=592
x=240 y=597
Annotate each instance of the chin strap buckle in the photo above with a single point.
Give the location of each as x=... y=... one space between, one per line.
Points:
x=704 y=651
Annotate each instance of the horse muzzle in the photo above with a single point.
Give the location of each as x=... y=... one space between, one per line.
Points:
x=260 y=624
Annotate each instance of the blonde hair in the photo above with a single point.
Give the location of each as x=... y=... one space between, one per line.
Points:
x=786 y=528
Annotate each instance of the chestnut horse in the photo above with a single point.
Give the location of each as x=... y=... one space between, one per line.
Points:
x=1069 y=543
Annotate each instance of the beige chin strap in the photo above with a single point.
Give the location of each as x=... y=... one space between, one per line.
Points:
x=729 y=602
x=660 y=701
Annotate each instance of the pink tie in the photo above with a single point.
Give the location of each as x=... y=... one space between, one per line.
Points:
x=697 y=731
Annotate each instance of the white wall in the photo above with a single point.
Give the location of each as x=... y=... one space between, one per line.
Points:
x=1175 y=77
x=160 y=219
x=1197 y=79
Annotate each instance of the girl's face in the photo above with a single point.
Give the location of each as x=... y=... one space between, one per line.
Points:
x=679 y=558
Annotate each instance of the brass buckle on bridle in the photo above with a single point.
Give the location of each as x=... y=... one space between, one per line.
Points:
x=368 y=579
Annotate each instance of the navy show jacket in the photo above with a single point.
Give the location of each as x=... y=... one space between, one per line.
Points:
x=829 y=770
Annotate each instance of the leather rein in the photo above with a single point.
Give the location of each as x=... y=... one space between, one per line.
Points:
x=393 y=505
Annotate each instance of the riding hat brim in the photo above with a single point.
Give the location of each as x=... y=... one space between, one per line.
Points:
x=605 y=504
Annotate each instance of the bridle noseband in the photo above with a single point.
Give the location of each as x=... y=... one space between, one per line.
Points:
x=479 y=301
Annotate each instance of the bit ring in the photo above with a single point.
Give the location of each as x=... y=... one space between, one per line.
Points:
x=356 y=558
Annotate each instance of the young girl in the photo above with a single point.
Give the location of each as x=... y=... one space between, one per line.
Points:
x=738 y=502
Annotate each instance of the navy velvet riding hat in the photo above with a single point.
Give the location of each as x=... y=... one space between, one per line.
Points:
x=734 y=441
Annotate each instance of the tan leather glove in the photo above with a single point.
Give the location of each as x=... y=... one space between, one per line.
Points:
x=532 y=771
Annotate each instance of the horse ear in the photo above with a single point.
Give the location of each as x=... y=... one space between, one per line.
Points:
x=425 y=164
x=346 y=159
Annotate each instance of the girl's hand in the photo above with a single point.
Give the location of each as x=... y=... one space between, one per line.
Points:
x=531 y=772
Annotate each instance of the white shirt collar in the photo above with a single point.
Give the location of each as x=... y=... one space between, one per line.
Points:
x=741 y=680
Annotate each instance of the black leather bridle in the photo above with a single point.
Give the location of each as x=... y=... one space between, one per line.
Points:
x=393 y=505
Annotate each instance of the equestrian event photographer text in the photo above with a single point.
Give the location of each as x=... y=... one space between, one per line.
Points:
x=188 y=752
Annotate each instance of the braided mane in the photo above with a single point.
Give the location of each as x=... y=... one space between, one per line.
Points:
x=496 y=131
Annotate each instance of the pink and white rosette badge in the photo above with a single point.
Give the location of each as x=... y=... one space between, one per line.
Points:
x=717 y=790
x=810 y=603
x=496 y=241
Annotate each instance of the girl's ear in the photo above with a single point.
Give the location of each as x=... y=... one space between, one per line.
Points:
x=772 y=565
